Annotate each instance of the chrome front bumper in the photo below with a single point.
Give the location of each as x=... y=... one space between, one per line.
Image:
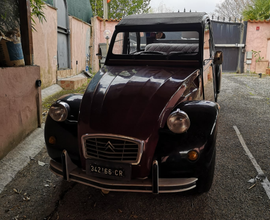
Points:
x=71 y=172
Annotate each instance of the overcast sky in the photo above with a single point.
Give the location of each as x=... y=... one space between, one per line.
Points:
x=193 y=5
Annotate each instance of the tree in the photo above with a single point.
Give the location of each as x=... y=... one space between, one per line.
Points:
x=121 y=8
x=37 y=7
x=9 y=16
x=97 y=7
x=260 y=10
x=232 y=8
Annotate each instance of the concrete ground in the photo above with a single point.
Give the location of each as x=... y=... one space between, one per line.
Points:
x=19 y=157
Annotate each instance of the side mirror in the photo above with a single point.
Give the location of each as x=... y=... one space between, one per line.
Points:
x=99 y=56
x=218 y=59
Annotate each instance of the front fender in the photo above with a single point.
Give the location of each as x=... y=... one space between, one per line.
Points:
x=203 y=115
x=66 y=132
x=172 y=148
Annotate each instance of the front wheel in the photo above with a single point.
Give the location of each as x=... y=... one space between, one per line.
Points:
x=205 y=180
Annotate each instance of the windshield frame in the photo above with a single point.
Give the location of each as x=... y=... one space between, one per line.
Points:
x=111 y=58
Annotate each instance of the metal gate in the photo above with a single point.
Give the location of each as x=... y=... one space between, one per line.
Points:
x=230 y=38
x=63 y=48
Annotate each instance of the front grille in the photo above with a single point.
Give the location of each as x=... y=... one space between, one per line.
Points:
x=112 y=148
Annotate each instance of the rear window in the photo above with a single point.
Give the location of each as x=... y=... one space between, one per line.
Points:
x=169 y=44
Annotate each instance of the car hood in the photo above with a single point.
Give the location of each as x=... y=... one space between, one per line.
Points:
x=131 y=101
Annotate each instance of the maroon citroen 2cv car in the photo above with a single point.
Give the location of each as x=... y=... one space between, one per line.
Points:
x=148 y=119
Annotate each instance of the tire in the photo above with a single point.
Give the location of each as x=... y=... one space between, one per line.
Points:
x=205 y=181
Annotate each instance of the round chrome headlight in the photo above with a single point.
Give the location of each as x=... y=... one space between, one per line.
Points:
x=178 y=121
x=59 y=111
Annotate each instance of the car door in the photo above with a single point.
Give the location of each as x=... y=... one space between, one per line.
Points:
x=208 y=66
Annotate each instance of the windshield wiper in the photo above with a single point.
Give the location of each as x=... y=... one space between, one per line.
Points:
x=174 y=53
x=150 y=52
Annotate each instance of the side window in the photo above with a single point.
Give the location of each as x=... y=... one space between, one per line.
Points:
x=132 y=42
x=142 y=40
x=118 y=44
x=211 y=43
x=125 y=43
x=207 y=43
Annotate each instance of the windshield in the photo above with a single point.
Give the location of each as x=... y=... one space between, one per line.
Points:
x=157 y=45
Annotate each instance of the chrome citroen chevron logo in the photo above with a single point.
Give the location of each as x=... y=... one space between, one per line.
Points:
x=109 y=147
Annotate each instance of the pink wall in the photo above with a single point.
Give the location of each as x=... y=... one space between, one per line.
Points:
x=79 y=42
x=99 y=26
x=18 y=110
x=257 y=40
x=45 y=46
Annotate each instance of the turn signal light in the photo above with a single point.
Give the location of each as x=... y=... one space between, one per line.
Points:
x=52 y=140
x=193 y=155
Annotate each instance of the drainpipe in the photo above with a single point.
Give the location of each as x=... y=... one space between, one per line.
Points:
x=105 y=12
x=240 y=51
x=39 y=102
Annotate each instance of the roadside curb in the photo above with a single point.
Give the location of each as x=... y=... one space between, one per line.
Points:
x=49 y=91
x=20 y=156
